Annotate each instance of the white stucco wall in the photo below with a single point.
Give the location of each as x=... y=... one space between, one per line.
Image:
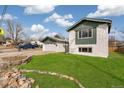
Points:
x=99 y=49
x=58 y=47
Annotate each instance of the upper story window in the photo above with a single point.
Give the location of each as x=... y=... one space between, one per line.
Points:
x=88 y=33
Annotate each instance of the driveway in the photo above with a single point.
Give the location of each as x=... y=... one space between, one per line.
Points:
x=15 y=52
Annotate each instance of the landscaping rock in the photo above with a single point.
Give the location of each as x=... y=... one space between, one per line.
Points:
x=13 y=83
x=14 y=79
x=25 y=85
x=3 y=66
x=3 y=82
x=31 y=80
x=21 y=82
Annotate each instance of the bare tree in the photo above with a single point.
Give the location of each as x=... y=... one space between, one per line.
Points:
x=26 y=38
x=122 y=34
x=15 y=31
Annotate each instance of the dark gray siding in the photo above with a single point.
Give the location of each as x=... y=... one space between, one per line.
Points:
x=49 y=41
x=86 y=25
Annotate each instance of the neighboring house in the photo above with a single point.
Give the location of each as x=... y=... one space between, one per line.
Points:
x=118 y=46
x=54 y=44
x=113 y=45
x=89 y=37
x=36 y=42
x=39 y=43
x=1 y=39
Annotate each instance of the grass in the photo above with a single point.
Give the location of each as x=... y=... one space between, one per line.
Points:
x=92 y=72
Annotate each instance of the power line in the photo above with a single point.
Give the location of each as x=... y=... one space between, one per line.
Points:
x=3 y=13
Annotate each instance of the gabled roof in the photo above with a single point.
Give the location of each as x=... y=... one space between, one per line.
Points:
x=55 y=39
x=92 y=20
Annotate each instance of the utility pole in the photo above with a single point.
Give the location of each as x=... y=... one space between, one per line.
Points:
x=115 y=37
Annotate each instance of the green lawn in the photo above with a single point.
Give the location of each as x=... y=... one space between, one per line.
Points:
x=90 y=71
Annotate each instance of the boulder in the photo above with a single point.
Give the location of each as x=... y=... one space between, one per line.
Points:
x=31 y=80
x=25 y=85
x=3 y=82
x=21 y=82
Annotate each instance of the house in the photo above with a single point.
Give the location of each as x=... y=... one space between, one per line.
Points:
x=116 y=46
x=54 y=44
x=36 y=42
x=1 y=39
x=89 y=37
x=113 y=45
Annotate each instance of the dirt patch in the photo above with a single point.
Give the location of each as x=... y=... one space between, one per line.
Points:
x=13 y=59
x=9 y=62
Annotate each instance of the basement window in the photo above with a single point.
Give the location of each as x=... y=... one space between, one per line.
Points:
x=85 y=49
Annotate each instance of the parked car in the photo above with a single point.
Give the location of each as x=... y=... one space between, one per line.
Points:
x=27 y=46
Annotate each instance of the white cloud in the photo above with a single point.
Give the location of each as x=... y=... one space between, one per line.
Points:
x=38 y=9
x=37 y=31
x=62 y=21
x=38 y=28
x=8 y=17
x=107 y=10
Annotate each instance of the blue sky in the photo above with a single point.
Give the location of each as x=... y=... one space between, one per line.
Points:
x=56 y=16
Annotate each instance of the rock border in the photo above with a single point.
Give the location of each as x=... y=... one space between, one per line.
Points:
x=5 y=65
x=55 y=74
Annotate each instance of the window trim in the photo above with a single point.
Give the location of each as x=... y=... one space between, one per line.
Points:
x=92 y=30
x=80 y=48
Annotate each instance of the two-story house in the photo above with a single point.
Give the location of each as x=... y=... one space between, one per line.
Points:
x=89 y=37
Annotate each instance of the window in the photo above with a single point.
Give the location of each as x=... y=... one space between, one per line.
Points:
x=89 y=50
x=80 y=49
x=85 y=33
